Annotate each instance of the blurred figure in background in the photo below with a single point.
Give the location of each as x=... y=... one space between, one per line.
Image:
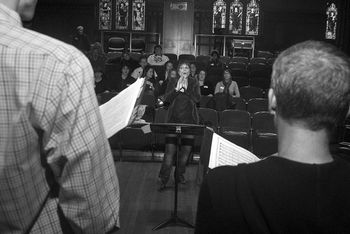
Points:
x=81 y=40
x=206 y=87
x=157 y=58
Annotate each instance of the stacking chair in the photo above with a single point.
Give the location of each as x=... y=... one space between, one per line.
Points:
x=240 y=103
x=138 y=45
x=203 y=59
x=241 y=81
x=135 y=56
x=257 y=105
x=258 y=60
x=116 y=44
x=235 y=127
x=250 y=92
x=209 y=117
x=204 y=100
x=187 y=58
x=239 y=60
x=264 y=54
x=264 y=137
x=172 y=57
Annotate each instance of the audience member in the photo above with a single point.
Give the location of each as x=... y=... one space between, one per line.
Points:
x=101 y=85
x=304 y=189
x=57 y=174
x=181 y=95
x=127 y=60
x=168 y=67
x=137 y=73
x=81 y=40
x=97 y=58
x=214 y=61
x=172 y=74
x=193 y=70
x=126 y=79
x=227 y=86
x=206 y=87
x=157 y=58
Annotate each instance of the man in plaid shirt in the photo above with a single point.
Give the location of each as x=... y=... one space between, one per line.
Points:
x=56 y=169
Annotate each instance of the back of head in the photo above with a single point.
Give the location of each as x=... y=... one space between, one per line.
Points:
x=311 y=82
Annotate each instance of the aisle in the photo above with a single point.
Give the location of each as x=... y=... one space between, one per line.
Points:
x=143 y=207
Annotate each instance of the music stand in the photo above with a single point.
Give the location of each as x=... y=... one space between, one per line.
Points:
x=178 y=129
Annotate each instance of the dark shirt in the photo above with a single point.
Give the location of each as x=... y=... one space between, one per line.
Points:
x=126 y=82
x=182 y=105
x=276 y=195
x=207 y=88
x=81 y=42
x=101 y=86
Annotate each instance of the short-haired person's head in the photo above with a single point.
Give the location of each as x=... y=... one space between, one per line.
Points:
x=202 y=75
x=310 y=86
x=158 y=50
x=227 y=75
x=143 y=61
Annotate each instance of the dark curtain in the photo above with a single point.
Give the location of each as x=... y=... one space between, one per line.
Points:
x=343 y=34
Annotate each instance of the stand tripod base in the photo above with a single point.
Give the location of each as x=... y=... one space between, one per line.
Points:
x=174 y=220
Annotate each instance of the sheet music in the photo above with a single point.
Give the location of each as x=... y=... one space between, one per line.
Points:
x=224 y=152
x=116 y=113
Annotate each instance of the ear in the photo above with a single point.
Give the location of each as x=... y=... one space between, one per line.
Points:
x=272 y=101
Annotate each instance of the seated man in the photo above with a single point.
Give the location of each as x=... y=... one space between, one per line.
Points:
x=303 y=189
x=157 y=58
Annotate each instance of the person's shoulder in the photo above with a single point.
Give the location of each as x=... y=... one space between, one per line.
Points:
x=221 y=173
x=38 y=44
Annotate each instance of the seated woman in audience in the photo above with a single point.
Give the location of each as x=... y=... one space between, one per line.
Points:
x=181 y=95
x=126 y=79
x=101 y=85
x=157 y=58
x=127 y=60
x=227 y=86
x=97 y=58
x=168 y=67
x=137 y=73
x=303 y=188
x=171 y=74
x=193 y=70
x=151 y=81
x=206 y=87
x=214 y=61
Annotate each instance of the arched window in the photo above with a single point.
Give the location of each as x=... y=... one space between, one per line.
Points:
x=122 y=14
x=138 y=15
x=331 y=23
x=253 y=18
x=236 y=17
x=105 y=15
x=219 y=16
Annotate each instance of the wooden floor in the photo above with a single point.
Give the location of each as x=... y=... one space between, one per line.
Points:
x=142 y=206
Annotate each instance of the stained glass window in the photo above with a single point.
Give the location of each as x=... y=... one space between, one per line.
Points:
x=105 y=15
x=236 y=17
x=138 y=15
x=219 y=15
x=121 y=14
x=331 y=23
x=252 y=19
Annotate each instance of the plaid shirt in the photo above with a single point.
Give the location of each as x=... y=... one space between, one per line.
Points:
x=49 y=115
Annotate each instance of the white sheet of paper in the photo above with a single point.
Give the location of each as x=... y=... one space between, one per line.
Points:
x=116 y=112
x=224 y=152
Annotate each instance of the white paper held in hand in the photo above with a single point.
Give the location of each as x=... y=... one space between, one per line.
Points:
x=116 y=113
x=224 y=152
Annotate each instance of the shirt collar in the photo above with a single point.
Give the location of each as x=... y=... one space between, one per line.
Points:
x=10 y=16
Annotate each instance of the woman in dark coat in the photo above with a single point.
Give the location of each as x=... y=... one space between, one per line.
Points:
x=181 y=96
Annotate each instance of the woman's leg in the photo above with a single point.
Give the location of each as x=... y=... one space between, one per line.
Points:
x=170 y=151
x=186 y=148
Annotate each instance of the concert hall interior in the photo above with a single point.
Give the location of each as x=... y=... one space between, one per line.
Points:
x=131 y=116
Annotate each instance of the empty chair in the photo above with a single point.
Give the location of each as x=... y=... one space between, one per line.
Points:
x=215 y=71
x=257 y=105
x=240 y=103
x=237 y=66
x=239 y=60
x=241 y=80
x=260 y=82
x=114 y=55
x=264 y=138
x=138 y=45
x=186 y=58
x=203 y=59
x=235 y=127
x=116 y=44
x=209 y=117
x=135 y=56
x=204 y=100
x=172 y=57
x=257 y=60
x=250 y=92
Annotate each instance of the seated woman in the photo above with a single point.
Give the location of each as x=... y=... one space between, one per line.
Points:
x=163 y=81
x=97 y=57
x=227 y=86
x=172 y=74
x=148 y=74
x=181 y=95
x=126 y=79
x=193 y=69
x=206 y=87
